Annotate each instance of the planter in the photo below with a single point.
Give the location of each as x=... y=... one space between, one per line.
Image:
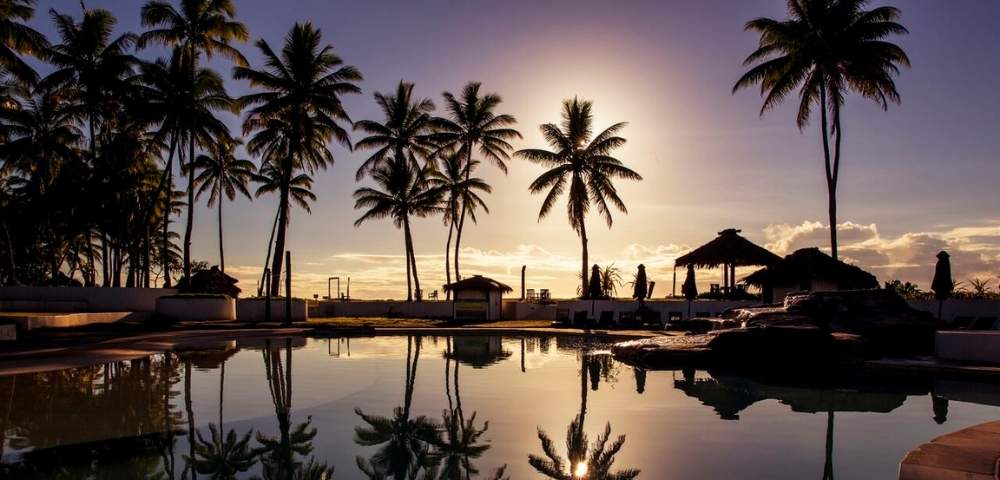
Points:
x=196 y=307
x=252 y=310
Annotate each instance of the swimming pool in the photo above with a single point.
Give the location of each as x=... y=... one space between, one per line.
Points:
x=459 y=407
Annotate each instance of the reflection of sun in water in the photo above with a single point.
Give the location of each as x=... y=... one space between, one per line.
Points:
x=581 y=470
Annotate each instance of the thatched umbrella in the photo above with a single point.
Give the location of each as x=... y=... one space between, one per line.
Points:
x=802 y=268
x=729 y=250
x=942 y=283
x=639 y=289
x=690 y=288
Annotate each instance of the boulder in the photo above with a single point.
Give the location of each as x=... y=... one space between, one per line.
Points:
x=786 y=347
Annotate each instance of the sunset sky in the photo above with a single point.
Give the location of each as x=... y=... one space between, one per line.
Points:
x=916 y=179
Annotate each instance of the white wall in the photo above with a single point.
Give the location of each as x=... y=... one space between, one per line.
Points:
x=80 y=299
x=424 y=309
x=253 y=309
x=196 y=308
x=959 y=307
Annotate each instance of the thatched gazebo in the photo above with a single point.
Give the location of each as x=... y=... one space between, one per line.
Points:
x=477 y=298
x=729 y=250
x=809 y=269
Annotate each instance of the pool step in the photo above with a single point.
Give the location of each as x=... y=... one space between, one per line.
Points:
x=968 y=454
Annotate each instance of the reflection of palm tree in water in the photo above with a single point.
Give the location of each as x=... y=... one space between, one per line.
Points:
x=459 y=442
x=828 y=464
x=595 y=464
x=278 y=454
x=223 y=455
x=404 y=441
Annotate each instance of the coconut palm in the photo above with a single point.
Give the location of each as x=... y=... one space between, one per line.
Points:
x=89 y=60
x=296 y=112
x=199 y=26
x=222 y=457
x=223 y=174
x=474 y=125
x=825 y=50
x=404 y=194
x=584 y=162
x=16 y=38
x=405 y=133
x=458 y=192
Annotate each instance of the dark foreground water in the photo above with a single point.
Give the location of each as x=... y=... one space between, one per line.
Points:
x=464 y=407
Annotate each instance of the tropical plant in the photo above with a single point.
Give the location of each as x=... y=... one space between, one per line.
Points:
x=223 y=174
x=826 y=49
x=905 y=289
x=16 y=38
x=584 y=162
x=980 y=288
x=295 y=112
x=405 y=132
x=403 y=193
x=458 y=192
x=474 y=125
x=199 y=26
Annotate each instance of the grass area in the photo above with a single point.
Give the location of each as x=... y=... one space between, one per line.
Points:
x=386 y=322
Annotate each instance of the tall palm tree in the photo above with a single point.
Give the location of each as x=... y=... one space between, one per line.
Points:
x=296 y=112
x=17 y=38
x=404 y=193
x=585 y=164
x=199 y=26
x=825 y=50
x=405 y=133
x=473 y=124
x=97 y=65
x=223 y=174
x=458 y=192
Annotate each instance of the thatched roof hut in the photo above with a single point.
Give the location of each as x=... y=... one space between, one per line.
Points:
x=729 y=250
x=811 y=269
x=480 y=283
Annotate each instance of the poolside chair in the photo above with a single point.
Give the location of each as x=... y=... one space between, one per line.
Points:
x=580 y=317
x=530 y=296
x=607 y=318
x=433 y=295
x=984 y=323
x=545 y=296
x=626 y=318
x=962 y=323
x=562 y=315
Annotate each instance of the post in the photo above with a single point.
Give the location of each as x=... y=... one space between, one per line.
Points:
x=267 y=294
x=522 y=281
x=348 y=291
x=288 y=288
x=673 y=290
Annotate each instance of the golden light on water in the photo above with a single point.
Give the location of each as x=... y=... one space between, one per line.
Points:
x=581 y=470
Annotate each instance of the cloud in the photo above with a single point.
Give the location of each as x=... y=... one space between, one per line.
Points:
x=975 y=251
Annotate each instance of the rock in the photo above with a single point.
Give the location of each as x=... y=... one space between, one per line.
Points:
x=788 y=347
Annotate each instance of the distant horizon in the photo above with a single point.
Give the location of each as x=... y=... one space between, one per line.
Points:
x=917 y=179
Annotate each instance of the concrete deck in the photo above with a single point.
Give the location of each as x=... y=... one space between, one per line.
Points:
x=968 y=454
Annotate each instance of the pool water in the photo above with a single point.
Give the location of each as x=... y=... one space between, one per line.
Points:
x=460 y=407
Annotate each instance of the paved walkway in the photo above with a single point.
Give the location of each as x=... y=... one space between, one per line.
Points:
x=968 y=454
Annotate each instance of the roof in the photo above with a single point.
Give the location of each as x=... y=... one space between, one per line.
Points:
x=478 y=282
x=809 y=264
x=728 y=248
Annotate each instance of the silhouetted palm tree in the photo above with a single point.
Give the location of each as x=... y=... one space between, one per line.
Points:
x=585 y=164
x=404 y=134
x=474 y=125
x=296 y=112
x=222 y=457
x=41 y=138
x=827 y=49
x=199 y=26
x=404 y=193
x=458 y=192
x=17 y=38
x=223 y=174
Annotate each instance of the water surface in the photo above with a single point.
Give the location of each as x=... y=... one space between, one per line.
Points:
x=392 y=405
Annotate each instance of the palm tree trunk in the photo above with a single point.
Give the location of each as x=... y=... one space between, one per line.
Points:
x=92 y=272
x=267 y=258
x=165 y=252
x=222 y=250
x=105 y=258
x=409 y=277
x=12 y=280
x=831 y=182
x=190 y=209
x=828 y=460
x=583 y=269
x=461 y=218
x=413 y=258
x=447 y=255
x=279 y=241
x=222 y=389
